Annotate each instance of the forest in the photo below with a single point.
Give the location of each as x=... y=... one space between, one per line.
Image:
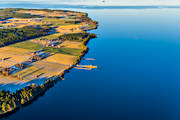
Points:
x=9 y=101
x=13 y=35
x=80 y=37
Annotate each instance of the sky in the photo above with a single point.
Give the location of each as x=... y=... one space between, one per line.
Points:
x=100 y=2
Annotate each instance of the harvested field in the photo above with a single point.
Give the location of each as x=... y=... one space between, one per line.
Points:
x=42 y=69
x=13 y=56
x=11 y=59
x=61 y=59
x=15 y=51
x=71 y=44
x=10 y=80
x=29 y=73
x=6 y=64
x=50 y=68
x=69 y=29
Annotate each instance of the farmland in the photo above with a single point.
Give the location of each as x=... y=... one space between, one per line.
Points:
x=38 y=45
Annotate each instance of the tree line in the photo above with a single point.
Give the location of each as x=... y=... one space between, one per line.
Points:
x=13 y=35
x=80 y=37
x=11 y=101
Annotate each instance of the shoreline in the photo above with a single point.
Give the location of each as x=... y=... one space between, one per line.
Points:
x=48 y=83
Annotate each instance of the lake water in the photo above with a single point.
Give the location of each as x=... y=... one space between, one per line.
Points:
x=138 y=77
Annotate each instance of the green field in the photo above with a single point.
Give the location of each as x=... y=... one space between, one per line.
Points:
x=27 y=45
x=68 y=51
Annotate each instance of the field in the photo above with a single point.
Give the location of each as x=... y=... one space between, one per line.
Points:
x=51 y=68
x=72 y=44
x=69 y=29
x=15 y=51
x=28 y=45
x=61 y=59
x=68 y=51
x=40 y=70
x=11 y=80
x=12 y=60
x=13 y=56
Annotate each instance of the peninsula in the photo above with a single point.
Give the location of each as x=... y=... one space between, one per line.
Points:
x=37 y=46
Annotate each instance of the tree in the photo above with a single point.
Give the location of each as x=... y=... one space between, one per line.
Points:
x=4 y=107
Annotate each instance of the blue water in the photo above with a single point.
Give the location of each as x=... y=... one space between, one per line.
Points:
x=138 y=77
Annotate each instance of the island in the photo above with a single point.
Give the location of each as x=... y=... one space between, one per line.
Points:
x=37 y=46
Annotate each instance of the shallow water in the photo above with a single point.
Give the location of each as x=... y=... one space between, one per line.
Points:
x=138 y=56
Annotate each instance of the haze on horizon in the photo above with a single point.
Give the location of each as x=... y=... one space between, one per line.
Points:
x=100 y=2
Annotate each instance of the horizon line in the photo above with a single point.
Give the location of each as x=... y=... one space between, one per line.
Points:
x=46 y=5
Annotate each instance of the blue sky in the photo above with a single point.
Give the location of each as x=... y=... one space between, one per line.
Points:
x=107 y=2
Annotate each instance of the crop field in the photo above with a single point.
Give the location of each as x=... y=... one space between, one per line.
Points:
x=62 y=50
x=54 y=21
x=71 y=44
x=61 y=59
x=50 y=68
x=27 y=45
x=32 y=73
x=13 y=56
x=15 y=51
x=11 y=59
x=10 y=80
x=69 y=29
x=39 y=70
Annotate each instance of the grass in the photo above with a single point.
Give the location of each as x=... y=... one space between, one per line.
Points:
x=91 y=26
x=68 y=51
x=55 y=21
x=27 y=45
